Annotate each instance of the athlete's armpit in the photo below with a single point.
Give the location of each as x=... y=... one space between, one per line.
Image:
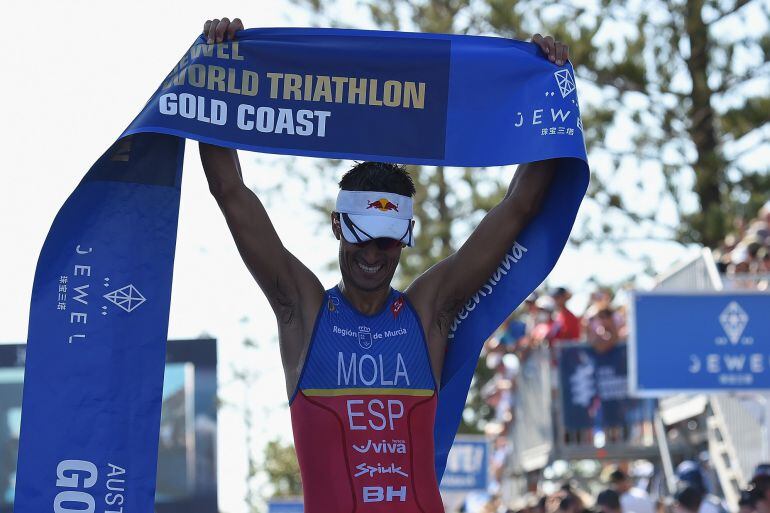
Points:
x=441 y=291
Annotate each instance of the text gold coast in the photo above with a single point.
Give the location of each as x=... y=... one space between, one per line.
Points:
x=262 y=119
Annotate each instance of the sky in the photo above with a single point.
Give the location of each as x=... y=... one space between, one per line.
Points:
x=74 y=75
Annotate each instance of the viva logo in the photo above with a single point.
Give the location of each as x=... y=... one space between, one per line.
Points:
x=382 y=447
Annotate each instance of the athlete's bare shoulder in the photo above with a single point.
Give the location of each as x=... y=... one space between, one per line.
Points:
x=294 y=333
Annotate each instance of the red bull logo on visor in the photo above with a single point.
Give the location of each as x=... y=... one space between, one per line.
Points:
x=383 y=205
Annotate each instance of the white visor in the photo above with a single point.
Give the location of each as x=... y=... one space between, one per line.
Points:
x=366 y=215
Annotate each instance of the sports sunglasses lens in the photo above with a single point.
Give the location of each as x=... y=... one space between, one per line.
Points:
x=387 y=243
x=383 y=243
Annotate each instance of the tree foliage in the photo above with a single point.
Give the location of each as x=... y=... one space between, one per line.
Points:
x=282 y=469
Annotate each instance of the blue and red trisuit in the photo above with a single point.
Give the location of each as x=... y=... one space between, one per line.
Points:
x=364 y=411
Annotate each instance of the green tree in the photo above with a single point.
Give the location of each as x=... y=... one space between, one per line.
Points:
x=282 y=469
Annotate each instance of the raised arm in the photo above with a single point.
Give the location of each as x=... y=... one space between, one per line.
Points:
x=286 y=282
x=447 y=285
x=442 y=290
x=293 y=291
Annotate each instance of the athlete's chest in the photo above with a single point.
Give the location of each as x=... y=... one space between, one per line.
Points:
x=350 y=350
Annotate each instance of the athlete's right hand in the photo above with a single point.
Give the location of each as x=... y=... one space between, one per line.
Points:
x=217 y=31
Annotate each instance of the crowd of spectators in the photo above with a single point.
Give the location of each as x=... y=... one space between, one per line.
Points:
x=619 y=493
x=547 y=320
x=744 y=255
x=544 y=320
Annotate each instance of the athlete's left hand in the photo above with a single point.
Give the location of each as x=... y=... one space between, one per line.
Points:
x=556 y=51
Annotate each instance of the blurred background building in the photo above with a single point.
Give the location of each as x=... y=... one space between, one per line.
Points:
x=187 y=459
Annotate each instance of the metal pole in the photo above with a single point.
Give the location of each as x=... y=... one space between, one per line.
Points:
x=665 y=455
x=765 y=427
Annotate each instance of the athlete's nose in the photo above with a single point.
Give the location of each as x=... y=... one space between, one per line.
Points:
x=371 y=253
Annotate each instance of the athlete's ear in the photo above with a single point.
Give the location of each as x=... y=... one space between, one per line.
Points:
x=336 y=225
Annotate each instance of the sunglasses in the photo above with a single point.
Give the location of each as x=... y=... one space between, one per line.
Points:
x=383 y=243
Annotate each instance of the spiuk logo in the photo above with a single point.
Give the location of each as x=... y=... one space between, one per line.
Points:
x=383 y=205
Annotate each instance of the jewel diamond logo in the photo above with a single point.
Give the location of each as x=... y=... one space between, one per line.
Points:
x=733 y=320
x=127 y=298
x=565 y=82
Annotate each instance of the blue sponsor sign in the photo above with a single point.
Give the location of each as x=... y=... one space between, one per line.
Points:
x=285 y=506
x=689 y=342
x=467 y=465
x=594 y=389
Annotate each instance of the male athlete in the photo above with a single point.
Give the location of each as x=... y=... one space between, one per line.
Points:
x=362 y=361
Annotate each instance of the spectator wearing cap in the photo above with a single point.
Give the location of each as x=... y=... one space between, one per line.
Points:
x=543 y=331
x=632 y=499
x=688 y=499
x=608 y=501
x=603 y=324
x=602 y=331
x=512 y=330
x=567 y=325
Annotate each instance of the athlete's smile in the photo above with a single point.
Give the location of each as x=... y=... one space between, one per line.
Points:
x=369 y=269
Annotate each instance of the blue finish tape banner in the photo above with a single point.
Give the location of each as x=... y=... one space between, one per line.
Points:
x=101 y=294
x=712 y=341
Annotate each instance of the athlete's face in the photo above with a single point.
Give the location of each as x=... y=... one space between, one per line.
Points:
x=367 y=267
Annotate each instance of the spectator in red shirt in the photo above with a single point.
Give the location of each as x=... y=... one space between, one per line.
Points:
x=567 y=325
